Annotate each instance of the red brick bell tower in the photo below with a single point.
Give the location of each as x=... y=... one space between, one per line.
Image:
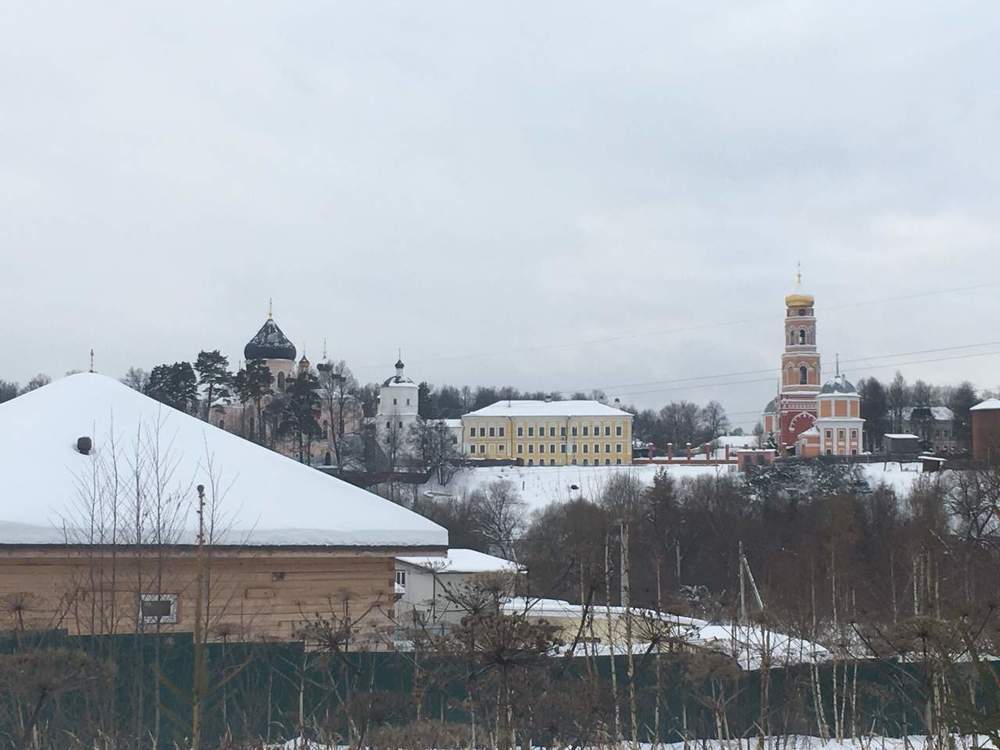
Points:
x=800 y=371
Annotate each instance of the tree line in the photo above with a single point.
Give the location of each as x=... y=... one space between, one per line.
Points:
x=854 y=538
x=11 y=389
x=883 y=406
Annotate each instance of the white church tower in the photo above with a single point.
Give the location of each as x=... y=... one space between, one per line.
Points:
x=397 y=404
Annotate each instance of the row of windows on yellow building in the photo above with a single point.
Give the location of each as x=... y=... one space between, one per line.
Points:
x=587 y=430
x=529 y=448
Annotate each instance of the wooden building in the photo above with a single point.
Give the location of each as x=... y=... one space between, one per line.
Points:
x=120 y=515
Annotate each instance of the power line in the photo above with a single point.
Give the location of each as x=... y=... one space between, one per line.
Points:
x=772 y=370
x=692 y=328
x=771 y=379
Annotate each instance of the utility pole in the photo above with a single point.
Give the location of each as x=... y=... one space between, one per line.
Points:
x=199 y=683
x=747 y=575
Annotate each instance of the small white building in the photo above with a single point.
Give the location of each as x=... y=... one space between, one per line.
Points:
x=428 y=585
x=398 y=407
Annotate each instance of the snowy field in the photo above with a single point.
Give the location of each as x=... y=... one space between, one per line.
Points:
x=541 y=486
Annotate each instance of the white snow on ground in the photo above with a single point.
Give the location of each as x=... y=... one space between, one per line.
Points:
x=540 y=486
x=901 y=477
x=748 y=645
x=268 y=499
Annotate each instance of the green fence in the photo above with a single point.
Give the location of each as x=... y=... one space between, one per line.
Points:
x=274 y=691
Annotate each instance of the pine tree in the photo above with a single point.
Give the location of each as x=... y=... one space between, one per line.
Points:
x=874 y=410
x=175 y=385
x=254 y=384
x=961 y=400
x=300 y=414
x=8 y=390
x=214 y=377
x=899 y=399
x=425 y=401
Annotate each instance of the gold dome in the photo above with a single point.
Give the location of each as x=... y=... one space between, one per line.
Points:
x=799 y=300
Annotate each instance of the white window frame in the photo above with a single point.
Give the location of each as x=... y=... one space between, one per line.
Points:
x=170 y=619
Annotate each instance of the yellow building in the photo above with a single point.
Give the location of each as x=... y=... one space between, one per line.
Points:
x=549 y=433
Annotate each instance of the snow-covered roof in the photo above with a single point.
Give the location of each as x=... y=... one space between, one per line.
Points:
x=548 y=409
x=462 y=561
x=398 y=381
x=900 y=436
x=737 y=441
x=747 y=644
x=263 y=498
x=839 y=386
x=938 y=413
x=989 y=404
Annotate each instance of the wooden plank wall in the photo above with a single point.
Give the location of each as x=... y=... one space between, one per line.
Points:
x=251 y=596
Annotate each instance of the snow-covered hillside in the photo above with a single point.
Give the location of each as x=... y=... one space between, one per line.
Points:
x=541 y=485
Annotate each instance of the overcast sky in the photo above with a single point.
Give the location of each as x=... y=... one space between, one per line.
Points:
x=551 y=195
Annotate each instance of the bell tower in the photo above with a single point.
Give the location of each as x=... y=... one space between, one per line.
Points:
x=800 y=367
x=800 y=371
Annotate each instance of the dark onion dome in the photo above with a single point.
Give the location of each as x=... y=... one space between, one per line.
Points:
x=839 y=385
x=771 y=406
x=269 y=343
x=398 y=378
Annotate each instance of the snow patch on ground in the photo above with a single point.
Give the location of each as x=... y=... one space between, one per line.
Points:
x=899 y=476
x=540 y=486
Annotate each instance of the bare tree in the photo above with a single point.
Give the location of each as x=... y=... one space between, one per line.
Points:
x=136 y=378
x=436 y=447
x=499 y=515
x=714 y=419
x=38 y=381
x=340 y=405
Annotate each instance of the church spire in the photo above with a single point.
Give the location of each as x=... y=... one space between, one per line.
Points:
x=270 y=308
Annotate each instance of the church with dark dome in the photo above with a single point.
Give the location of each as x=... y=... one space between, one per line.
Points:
x=807 y=418
x=271 y=345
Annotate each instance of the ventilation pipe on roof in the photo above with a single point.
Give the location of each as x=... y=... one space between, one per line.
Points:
x=84 y=445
